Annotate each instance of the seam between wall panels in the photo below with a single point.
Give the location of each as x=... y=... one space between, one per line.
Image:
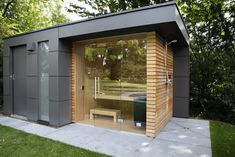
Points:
x=58 y=48
x=59 y=51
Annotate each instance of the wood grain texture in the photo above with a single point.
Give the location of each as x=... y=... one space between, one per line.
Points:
x=159 y=95
x=74 y=83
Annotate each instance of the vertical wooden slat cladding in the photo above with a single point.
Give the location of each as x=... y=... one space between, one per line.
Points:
x=159 y=95
x=74 y=83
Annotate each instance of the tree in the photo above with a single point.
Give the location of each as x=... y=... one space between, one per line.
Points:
x=32 y=14
x=212 y=32
x=101 y=7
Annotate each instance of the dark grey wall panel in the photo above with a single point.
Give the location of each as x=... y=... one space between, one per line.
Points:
x=120 y=21
x=54 y=62
x=61 y=64
x=60 y=84
x=65 y=112
x=181 y=82
x=181 y=52
x=7 y=107
x=32 y=83
x=32 y=109
x=6 y=66
x=181 y=108
x=65 y=88
x=32 y=65
x=54 y=88
x=181 y=69
x=6 y=85
x=54 y=114
x=181 y=87
x=64 y=64
x=60 y=89
x=32 y=87
x=60 y=112
x=6 y=49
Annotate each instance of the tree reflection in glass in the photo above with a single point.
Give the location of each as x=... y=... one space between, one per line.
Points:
x=119 y=70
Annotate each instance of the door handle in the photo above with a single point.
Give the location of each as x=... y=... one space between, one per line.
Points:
x=98 y=87
x=12 y=76
x=95 y=88
x=82 y=87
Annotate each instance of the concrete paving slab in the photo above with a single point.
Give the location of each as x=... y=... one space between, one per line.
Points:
x=12 y=122
x=180 y=137
x=199 y=127
x=186 y=136
x=163 y=148
x=37 y=129
x=119 y=143
x=75 y=133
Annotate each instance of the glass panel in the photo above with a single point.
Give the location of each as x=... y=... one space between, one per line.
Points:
x=89 y=89
x=133 y=86
x=44 y=80
x=115 y=84
x=109 y=83
x=102 y=84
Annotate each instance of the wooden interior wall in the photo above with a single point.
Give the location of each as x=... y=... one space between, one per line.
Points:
x=159 y=95
x=77 y=72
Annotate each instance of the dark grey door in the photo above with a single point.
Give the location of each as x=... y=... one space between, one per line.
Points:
x=19 y=81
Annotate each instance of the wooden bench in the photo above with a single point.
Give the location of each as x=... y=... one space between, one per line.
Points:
x=105 y=112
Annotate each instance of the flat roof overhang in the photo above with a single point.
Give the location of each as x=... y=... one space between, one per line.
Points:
x=163 y=18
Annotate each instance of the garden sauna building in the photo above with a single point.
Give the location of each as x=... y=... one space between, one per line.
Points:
x=127 y=71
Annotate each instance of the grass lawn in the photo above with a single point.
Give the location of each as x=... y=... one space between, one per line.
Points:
x=17 y=143
x=222 y=139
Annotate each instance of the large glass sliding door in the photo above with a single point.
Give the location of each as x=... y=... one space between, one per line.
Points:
x=133 y=86
x=102 y=85
x=115 y=84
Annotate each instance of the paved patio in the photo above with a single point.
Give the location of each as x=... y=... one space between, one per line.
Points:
x=180 y=138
